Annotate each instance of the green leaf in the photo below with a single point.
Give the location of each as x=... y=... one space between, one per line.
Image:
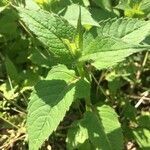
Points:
x=8 y=23
x=129 y=111
x=72 y=15
x=77 y=137
x=8 y=92
x=111 y=126
x=41 y=58
x=101 y=14
x=106 y=51
x=82 y=89
x=128 y=30
x=2 y=8
x=104 y=4
x=145 y=5
x=131 y=8
x=98 y=131
x=48 y=104
x=144 y=121
x=11 y=69
x=123 y=4
x=31 y=4
x=113 y=41
x=90 y=129
x=50 y=29
x=142 y=137
x=50 y=101
x=86 y=3
x=79 y=32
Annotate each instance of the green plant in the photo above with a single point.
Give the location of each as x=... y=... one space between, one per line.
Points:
x=74 y=52
x=99 y=48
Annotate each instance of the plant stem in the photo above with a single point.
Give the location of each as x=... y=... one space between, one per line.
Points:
x=82 y=74
x=88 y=104
x=80 y=70
x=142 y=66
x=9 y=122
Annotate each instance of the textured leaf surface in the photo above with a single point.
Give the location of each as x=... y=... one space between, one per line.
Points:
x=105 y=51
x=49 y=102
x=99 y=131
x=126 y=29
x=50 y=29
x=101 y=14
x=106 y=46
x=90 y=130
x=111 y=126
x=145 y=5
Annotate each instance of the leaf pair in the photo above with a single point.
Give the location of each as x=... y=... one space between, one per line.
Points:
x=50 y=101
x=50 y=31
x=96 y=131
x=106 y=45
